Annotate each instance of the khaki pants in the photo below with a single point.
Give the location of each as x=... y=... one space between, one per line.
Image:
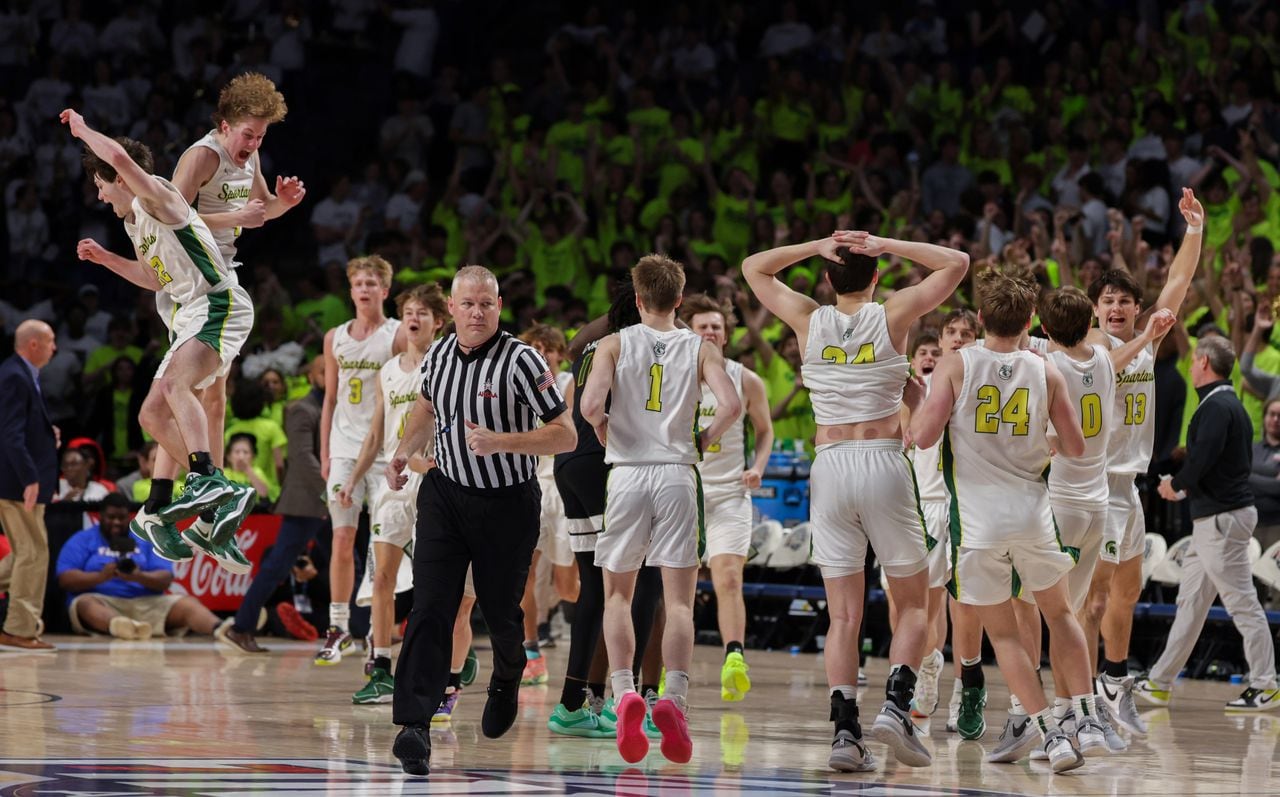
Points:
x=1217 y=565
x=23 y=573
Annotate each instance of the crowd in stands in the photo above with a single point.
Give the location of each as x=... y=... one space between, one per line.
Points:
x=559 y=145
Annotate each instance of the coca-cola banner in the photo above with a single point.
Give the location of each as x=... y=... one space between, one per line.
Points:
x=217 y=589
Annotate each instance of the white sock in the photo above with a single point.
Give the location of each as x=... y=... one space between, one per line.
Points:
x=1085 y=706
x=846 y=690
x=385 y=652
x=677 y=685
x=339 y=615
x=622 y=682
x=1061 y=706
x=1015 y=707
x=1044 y=721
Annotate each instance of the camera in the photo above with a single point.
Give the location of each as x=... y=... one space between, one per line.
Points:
x=124 y=546
x=303 y=562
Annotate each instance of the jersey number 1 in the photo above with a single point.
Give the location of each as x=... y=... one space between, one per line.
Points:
x=654 y=404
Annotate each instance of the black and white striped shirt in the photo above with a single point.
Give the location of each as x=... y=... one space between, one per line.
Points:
x=504 y=385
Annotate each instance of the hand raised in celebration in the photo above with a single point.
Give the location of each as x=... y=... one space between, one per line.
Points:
x=1191 y=208
x=74 y=121
x=290 y=190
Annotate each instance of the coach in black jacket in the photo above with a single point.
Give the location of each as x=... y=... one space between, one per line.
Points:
x=28 y=480
x=1216 y=476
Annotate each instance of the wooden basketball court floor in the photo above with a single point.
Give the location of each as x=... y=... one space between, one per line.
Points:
x=187 y=717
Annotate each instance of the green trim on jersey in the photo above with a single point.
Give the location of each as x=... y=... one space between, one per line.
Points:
x=216 y=321
x=929 y=542
x=954 y=527
x=200 y=256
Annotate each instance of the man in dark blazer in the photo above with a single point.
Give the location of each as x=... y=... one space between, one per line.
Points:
x=301 y=504
x=28 y=480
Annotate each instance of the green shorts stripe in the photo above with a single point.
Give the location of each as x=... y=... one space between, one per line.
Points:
x=954 y=527
x=929 y=542
x=215 y=323
x=702 y=517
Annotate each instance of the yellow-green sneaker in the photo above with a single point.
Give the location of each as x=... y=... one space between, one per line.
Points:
x=734 y=681
x=1151 y=693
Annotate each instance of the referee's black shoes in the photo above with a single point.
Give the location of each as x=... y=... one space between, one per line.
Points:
x=500 y=709
x=413 y=748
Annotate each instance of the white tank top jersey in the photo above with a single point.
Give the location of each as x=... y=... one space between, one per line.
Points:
x=229 y=189
x=724 y=460
x=927 y=464
x=995 y=448
x=1091 y=387
x=1133 y=435
x=546 y=464
x=183 y=256
x=400 y=389
x=851 y=369
x=653 y=410
x=359 y=362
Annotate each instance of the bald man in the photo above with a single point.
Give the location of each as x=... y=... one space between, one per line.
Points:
x=28 y=479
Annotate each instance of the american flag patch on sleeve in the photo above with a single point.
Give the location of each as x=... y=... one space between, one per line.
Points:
x=545 y=381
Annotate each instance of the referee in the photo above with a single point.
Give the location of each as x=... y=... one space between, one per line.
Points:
x=483 y=392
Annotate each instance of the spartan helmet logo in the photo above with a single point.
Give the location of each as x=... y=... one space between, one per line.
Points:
x=1005 y=372
x=848 y=333
x=1111 y=548
x=1087 y=379
x=659 y=348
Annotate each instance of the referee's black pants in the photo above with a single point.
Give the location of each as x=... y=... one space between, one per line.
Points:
x=492 y=530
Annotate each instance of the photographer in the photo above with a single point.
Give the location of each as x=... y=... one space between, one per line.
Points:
x=117 y=585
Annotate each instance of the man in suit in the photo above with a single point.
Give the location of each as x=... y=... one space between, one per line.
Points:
x=28 y=480
x=301 y=503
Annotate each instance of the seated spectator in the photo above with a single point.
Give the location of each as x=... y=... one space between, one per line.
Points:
x=117 y=585
x=241 y=469
x=76 y=483
x=136 y=486
x=301 y=603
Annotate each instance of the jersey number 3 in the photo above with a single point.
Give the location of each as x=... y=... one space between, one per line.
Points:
x=991 y=412
x=356 y=393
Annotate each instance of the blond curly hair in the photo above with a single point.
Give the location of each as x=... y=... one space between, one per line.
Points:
x=249 y=95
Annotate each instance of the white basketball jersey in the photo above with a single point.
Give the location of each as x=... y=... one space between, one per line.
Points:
x=653 y=407
x=1134 y=434
x=228 y=190
x=851 y=369
x=927 y=464
x=183 y=256
x=995 y=447
x=1091 y=386
x=400 y=389
x=725 y=459
x=546 y=464
x=359 y=362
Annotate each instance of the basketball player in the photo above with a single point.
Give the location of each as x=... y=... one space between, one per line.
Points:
x=221 y=175
x=926 y=463
x=1077 y=485
x=965 y=710
x=855 y=366
x=652 y=373
x=581 y=478
x=1117 y=582
x=553 y=536
x=995 y=403
x=727 y=483
x=354 y=354
x=213 y=320
x=422 y=312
